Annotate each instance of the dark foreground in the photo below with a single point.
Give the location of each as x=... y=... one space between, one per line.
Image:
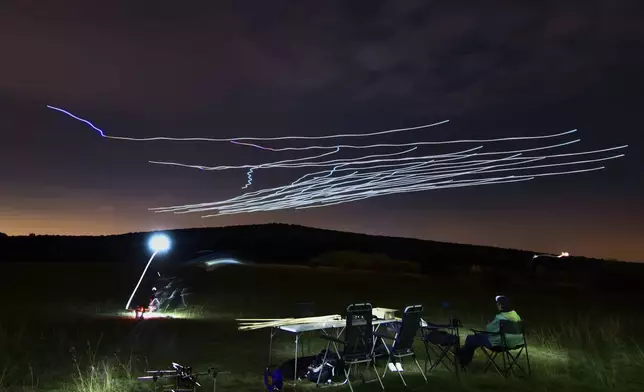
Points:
x=60 y=328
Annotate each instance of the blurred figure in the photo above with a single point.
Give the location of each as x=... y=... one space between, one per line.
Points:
x=154 y=301
x=466 y=353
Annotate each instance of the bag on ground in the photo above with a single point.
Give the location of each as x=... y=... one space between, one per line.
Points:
x=324 y=370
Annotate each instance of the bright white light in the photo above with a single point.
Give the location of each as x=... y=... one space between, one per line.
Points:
x=564 y=254
x=159 y=243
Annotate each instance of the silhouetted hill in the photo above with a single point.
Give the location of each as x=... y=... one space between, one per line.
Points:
x=292 y=244
x=270 y=243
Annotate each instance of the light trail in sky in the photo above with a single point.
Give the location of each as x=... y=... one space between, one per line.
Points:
x=405 y=167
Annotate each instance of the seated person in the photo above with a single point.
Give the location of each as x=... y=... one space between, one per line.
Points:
x=466 y=353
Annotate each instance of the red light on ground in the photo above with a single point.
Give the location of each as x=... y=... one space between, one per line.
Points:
x=139 y=311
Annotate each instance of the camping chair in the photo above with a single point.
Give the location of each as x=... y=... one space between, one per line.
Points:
x=403 y=341
x=358 y=341
x=510 y=362
x=443 y=341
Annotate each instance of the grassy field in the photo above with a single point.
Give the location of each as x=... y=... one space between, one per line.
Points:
x=59 y=330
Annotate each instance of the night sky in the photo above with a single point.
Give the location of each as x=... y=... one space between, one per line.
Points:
x=273 y=68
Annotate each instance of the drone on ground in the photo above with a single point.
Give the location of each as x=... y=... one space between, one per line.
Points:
x=179 y=378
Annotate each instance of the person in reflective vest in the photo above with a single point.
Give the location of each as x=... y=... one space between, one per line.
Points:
x=472 y=342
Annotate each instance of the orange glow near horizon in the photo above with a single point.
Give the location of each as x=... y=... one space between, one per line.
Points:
x=587 y=242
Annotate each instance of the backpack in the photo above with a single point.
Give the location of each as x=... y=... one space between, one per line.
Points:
x=273 y=380
x=323 y=370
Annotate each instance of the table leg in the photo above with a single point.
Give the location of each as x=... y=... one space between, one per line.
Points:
x=297 y=340
x=270 y=347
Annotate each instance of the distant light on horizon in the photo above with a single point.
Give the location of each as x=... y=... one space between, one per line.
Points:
x=562 y=254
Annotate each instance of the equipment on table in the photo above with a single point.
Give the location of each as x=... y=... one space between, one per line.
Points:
x=384 y=313
x=179 y=378
x=331 y=324
x=254 y=324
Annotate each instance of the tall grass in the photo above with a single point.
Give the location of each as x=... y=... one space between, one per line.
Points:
x=595 y=352
x=579 y=355
x=95 y=374
x=23 y=367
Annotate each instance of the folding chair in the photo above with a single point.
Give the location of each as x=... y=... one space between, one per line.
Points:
x=443 y=341
x=358 y=341
x=403 y=341
x=510 y=362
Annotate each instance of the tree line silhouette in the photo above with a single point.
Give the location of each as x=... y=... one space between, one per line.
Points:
x=298 y=245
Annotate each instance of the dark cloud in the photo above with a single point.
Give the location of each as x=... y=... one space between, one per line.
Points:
x=447 y=56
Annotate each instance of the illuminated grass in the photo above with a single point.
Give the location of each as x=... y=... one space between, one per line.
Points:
x=100 y=376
